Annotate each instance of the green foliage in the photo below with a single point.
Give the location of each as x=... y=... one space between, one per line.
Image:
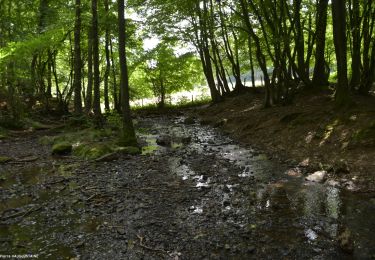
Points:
x=62 y=148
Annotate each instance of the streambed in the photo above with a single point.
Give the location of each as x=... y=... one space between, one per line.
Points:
x=198 y=195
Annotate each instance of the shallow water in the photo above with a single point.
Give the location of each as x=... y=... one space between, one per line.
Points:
x=273 y=199
x=275 y=212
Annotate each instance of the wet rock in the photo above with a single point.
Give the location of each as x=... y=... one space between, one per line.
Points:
x=164 y=140
x=220 y=123
x=333 y=183
x=5 y=159
x=63 y=148
x=318 y=176
x=189 y=121
x=186 y=139
x=345 y=241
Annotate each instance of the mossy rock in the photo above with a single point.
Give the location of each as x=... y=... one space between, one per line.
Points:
x=62 y=148
x=5 y=159
x=92 y=151
x=132 y=150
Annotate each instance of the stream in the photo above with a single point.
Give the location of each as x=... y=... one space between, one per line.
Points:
x=194 y=193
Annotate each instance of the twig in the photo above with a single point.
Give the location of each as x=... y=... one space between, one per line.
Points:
x=150 y=248
x=22 y=213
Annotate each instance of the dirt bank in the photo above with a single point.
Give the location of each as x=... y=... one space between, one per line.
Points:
x=311 y=132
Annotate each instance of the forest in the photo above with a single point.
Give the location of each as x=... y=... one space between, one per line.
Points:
x=195 y=129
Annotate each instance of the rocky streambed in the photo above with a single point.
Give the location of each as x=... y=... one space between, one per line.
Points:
x=193 y=193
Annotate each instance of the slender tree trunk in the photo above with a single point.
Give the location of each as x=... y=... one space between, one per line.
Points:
x=95 y=52
x=356 y=43
x=260 y=56
x=88 y=107
x=339 y=34
x=77 y=60
x=114 y=77
x=107 y=58
x=128 y=136
x=251 y=62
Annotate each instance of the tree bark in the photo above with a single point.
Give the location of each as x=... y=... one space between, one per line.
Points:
x=77 y=60
x=95 y=52
x=128 y=136
x=107 y=58
x=88 y=102
x=339 y=36
x=320 y=77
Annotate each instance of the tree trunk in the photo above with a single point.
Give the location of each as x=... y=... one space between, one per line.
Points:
x=95 y=52
x=356 y=43
x=88 y=107
x=77 y=60
x=115 y=92
x=339 y=36
x=107 y=58
x=320 y=78
x=128 y=136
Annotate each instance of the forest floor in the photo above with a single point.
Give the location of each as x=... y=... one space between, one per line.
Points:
x=192 y=193
x=310 y=133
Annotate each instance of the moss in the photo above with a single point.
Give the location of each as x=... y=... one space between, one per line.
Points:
x=364 y=136
x=128 y=137
x=129 y=150
x=3 y=133
x=92 y=151
x=5 y=159
x=62 y=148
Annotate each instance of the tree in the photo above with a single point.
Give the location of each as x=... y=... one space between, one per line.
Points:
x=320 y=77
x=339 y=34
x=77 y=60
x=167 y=72
x=95 y=52
x=128 y=135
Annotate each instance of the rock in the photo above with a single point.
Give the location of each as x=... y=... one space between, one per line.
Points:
x=318 y=176
x=186 y=139
x=333 y=183
x=5 y=159
x=341 y=167
x=189 y=121
x=132 y=150
x=345 y=241
x=220 y=123
x=92 y=151
x=250 y=249
x=63 y=148
x=164 y=140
